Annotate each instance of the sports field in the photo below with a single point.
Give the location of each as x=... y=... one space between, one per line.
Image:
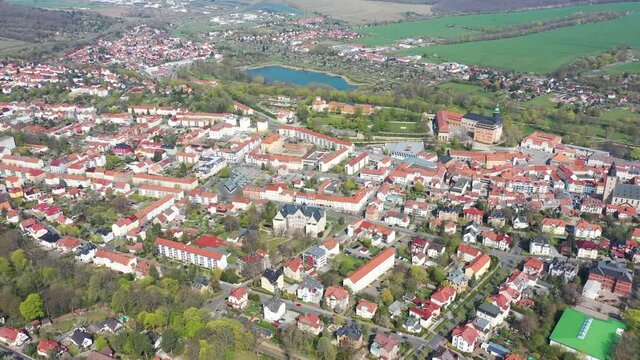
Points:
x=456 y=26
x=541 y=52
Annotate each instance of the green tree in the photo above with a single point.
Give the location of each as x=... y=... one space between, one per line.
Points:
x=326 y=351
x=101 y=343
x=270 y=212
x=437 y=274
x=32 y=308
x=171 y=342
x=5 y=266
x=19 y=259
x=387 y=296
x=69 y=230
x=635 y=153
x=230 y=276
x=419 y=274
x=225 y=172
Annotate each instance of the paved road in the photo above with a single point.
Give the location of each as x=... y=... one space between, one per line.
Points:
x=15 y=353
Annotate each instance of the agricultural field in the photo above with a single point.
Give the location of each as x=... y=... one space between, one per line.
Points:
x=632 y=67
x=10 y=45
x=554 y=49
x=361 y=11
x=455 y=26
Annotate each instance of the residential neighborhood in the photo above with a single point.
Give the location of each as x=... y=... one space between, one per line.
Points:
x=158 y=202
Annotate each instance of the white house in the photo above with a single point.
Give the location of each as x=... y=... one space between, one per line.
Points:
x=366 y=309
x=587 y=249
x=12 y=336
x=583 y=229
x=115 y=261
x=238 y=298
x=310 y=291
x=274 y=309
x=465 y=338
x=540 y=246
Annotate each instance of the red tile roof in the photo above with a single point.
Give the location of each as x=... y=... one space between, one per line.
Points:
x=211 y=241
x=374 y=263
x=468 y=250
x=368 y=305
x=534 y=263
x=238 y=292
x=312 y=320
x=69 y=242
x=9 y=333
x=46 y=346
x=479 y=262
x=469 y=334
x=115 y=257
x=336 y=291
x=444 y=294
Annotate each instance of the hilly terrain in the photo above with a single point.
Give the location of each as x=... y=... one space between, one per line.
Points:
x=22 y=26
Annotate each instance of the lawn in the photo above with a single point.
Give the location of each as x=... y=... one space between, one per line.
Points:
x=456 y=26
x=469 y=89
x=553 y=49
x=541 y=102
x=402 y=127
x=252 y=310
x=619 y=114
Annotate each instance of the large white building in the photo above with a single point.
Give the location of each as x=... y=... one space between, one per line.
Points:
x=333 y=159
x=369 y=272
x=115 y=261
x=308 y=220
x=191 y=254
x=357 y=163
x=318 y=139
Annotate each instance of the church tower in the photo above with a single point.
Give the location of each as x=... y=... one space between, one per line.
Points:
x=611 y=179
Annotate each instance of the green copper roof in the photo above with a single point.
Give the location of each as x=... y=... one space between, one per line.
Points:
x=594 y=337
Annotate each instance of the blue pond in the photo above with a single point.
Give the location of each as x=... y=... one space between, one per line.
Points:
x=280 y=74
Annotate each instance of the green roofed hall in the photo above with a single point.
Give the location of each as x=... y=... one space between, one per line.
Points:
x=582 y=333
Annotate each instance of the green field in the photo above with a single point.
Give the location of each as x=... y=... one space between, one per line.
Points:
x=9 y=45
x=541 y=52
x=456 y=26
x=402 y=127
x=632 y=67
x=465 y=89
x=620 y=114
x=541 y=102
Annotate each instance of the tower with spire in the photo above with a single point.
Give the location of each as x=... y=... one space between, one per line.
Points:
x=497 y=119
x=610 y=182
